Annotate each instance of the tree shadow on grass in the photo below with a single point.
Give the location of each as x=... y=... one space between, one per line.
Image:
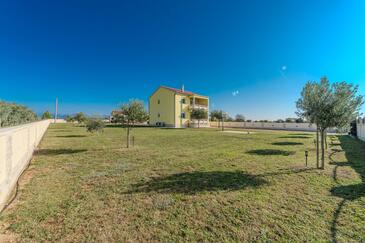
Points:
x=59 y=130
x=289 y=171
x=199 y=181
x=287 y=143
x=270 y=152
x=58 y=151
x=295 y=136
x=72 y=136
x=349 y=192
x=355 y=155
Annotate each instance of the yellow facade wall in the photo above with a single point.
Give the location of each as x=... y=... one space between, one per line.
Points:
x=166 y=107
x=181 y=107
x=170 y=108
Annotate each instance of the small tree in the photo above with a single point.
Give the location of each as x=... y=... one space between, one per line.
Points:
x=240 y=118
x=199 y=114
x=80 y=118
x=95 y=125
x=328 y=106
x=133 y=112
x=216 y=115
x=46 y=115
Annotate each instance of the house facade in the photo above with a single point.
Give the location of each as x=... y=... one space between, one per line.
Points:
x=170 y=107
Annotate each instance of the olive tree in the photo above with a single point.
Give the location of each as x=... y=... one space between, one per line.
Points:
x=217 y=115
x=199 y=114
x=132 y=112
x=328 y=105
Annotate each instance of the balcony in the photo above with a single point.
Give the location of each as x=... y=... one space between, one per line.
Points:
x=199 y=106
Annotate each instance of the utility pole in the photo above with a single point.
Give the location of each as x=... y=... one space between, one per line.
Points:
x=222 y=115
x=56 y=112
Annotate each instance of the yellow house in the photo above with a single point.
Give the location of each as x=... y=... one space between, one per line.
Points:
x=171 y=107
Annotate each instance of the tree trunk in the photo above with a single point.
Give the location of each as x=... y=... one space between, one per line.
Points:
x=317 y=146
x=325 y=139
x=322 y=148
x=198 y=123
x=128 y=136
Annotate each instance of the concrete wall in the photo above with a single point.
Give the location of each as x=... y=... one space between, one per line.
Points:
x=361 y=128
x=271 y=125
x=58 y=121
x=16 y=149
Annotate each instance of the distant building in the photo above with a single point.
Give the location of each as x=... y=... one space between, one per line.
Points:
x=115 y=116
x=171 y=107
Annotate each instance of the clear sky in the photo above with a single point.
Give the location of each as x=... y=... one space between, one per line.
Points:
x=250 y=57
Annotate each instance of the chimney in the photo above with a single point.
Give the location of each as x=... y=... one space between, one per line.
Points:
x=182 y=88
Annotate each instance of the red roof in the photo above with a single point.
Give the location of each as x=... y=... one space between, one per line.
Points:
x=178 y=90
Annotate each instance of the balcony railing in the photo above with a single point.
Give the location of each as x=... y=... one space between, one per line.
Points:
x=198 y=106
x=202 y=123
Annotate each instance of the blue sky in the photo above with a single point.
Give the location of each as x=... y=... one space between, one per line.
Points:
x=250 y=57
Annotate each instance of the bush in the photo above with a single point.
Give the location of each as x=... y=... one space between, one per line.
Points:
x=240 y=118
x=80 y=118
x=12 y=114
x=95 y=125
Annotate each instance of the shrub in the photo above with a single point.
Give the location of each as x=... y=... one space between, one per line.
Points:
x=80 y=118
x=12 y=114
x=95 y=125
x=240 y=118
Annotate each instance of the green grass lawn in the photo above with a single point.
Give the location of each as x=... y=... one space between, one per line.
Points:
x=189 y=185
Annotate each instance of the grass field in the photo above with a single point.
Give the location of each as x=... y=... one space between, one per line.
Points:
x=188 y=185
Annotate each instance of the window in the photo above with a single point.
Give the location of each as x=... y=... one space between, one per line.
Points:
x=158 y=101
x=183 y=115
x=158 y=115
x=183 y=100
